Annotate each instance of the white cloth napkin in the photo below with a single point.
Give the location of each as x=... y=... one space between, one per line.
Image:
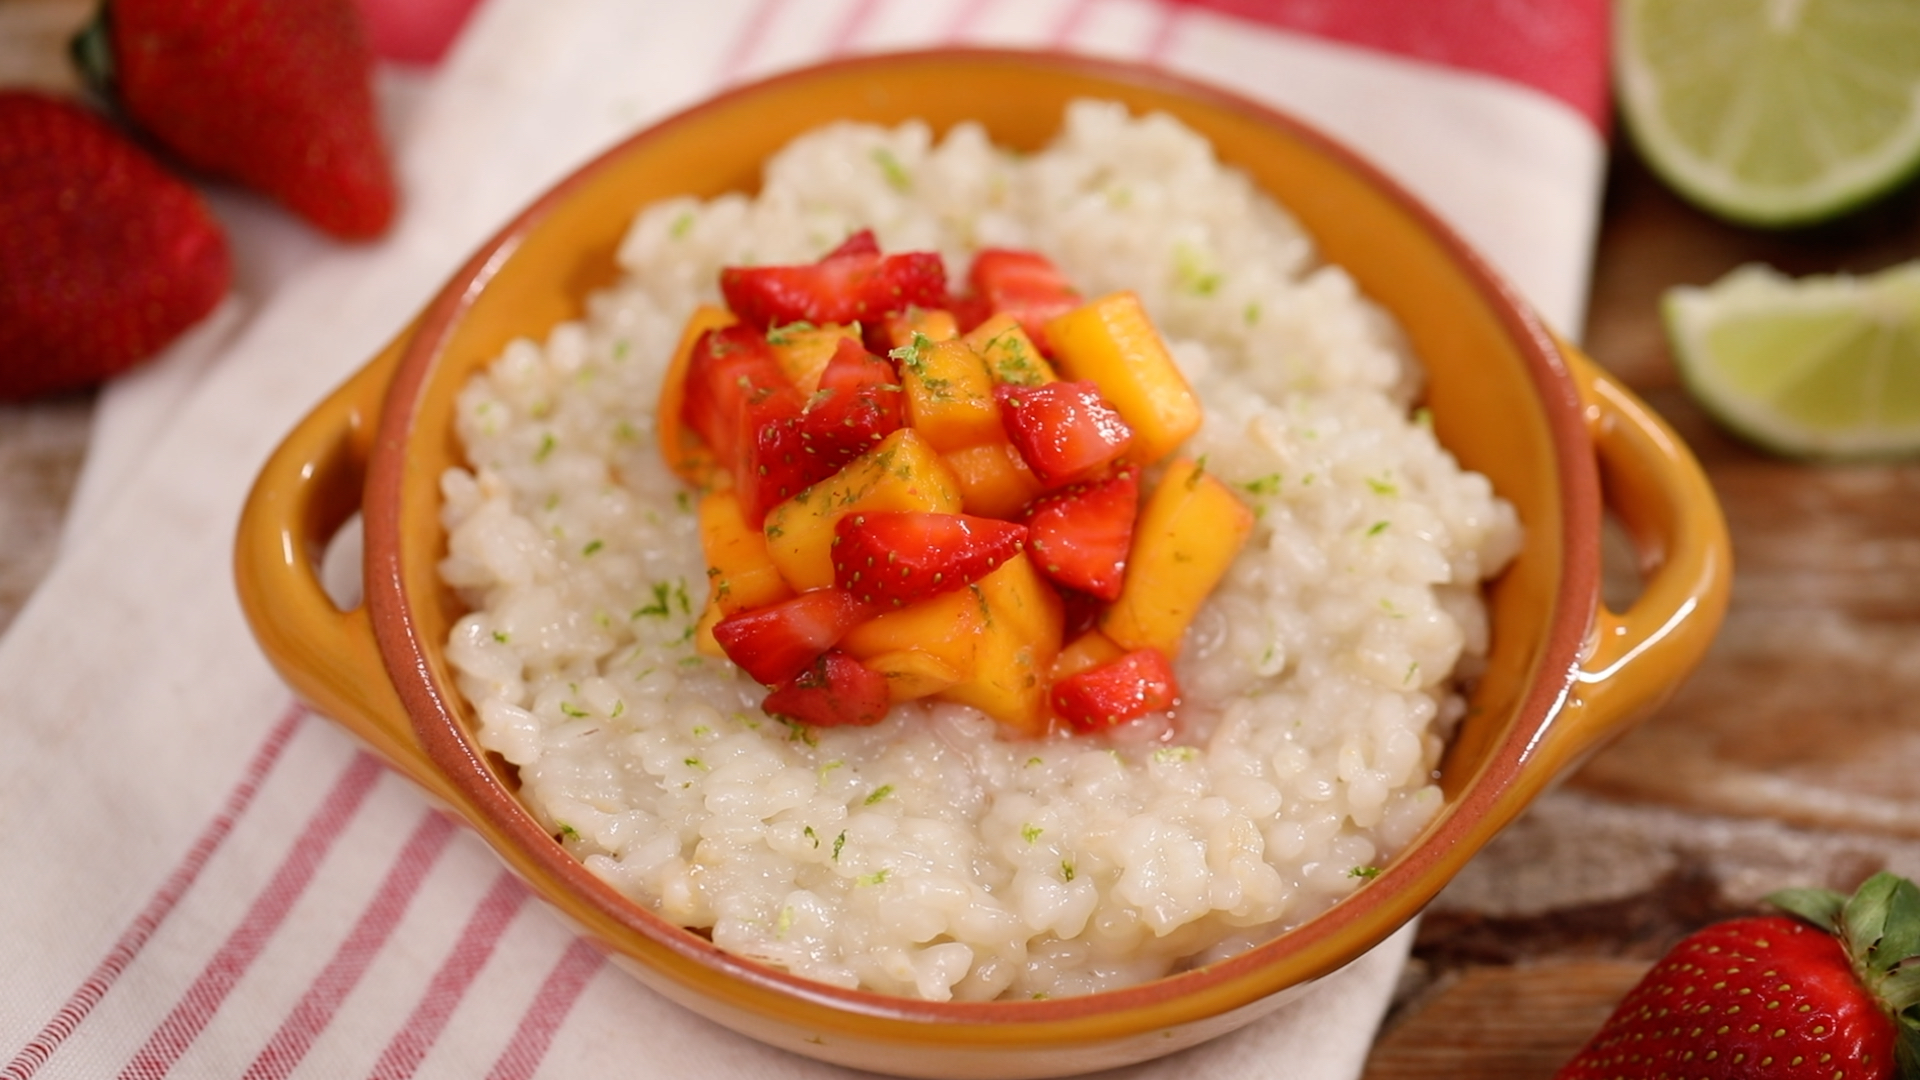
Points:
x=208 y=881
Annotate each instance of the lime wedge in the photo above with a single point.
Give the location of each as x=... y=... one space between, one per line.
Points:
x=1819 y=367
x=1772 y=112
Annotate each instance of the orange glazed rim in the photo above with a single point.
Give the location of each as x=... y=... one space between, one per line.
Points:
x=1500 y=781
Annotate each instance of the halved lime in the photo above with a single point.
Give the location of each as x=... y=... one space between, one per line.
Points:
x=1809 y=367
x=1772 y=112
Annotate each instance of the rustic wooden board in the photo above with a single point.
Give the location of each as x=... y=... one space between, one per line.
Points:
x=1513 y=1023
x=1804 y=716
x=1808 y=707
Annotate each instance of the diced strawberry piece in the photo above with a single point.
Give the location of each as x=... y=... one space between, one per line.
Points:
x=840 y=430
x=1079 y=536
x=892 y=558
x=773 y=464
x=1138 y=683
x=730 y=367
x=1065 y=430
x=835 y=689
x=1079 y=611
x=853 y=368
x=776 y=642
x=857 y=243
x=970 y=311
x=862 y=288
x=1023 y=284
x=859 y=403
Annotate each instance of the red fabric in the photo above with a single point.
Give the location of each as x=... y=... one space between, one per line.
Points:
x=1556 y=46
x=414 y=31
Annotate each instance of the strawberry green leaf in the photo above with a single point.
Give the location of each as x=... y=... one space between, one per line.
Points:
x=1900 y=936
x=1906 y=1046
x=1901 y=993
x=1864 y=919
x=92 y=53
x=1820 y=907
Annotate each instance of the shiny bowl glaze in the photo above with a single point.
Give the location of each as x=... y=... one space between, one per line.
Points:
x=1557 y=437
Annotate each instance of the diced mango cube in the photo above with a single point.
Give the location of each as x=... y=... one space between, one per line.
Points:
x=1011 y=355
x=945 y=626
x=949 y=394
x=934 y=324
x=995 y=481
x=740 y=574
x=803 y=351
x=1112 y=343
x=1188 y=533
x=912 y=674
x=685 y=454
x=902 y=473
x=1089 y=650
x=1017 y=647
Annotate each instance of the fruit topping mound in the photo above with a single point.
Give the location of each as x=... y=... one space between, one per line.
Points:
x=908 y=492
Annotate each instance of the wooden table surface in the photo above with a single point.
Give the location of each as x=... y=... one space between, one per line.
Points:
x=1786 y=760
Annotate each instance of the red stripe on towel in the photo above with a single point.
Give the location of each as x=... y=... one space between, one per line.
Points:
x=457 y=972
x=851 y=26
x=734 y=62
x=197 y=1006
x=1166 y=23
x=963 y=21
x=369 y=935
x=1558 y=47
x=1069 y=24
x=161 y=904
x=569 y=977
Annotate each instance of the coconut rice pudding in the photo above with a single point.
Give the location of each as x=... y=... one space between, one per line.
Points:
x=942 y=853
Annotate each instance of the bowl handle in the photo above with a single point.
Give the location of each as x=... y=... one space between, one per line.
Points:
x=308 y=488
x=1634 y=659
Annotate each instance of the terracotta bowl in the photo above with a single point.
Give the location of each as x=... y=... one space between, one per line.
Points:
x=1557 y=437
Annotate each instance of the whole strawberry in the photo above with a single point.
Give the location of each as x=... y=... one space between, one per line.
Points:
x=275 y=94
x=104 y=256
x=1830 y=997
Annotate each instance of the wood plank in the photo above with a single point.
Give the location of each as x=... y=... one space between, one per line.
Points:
x=1503 y=1023
x=1807 y=708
